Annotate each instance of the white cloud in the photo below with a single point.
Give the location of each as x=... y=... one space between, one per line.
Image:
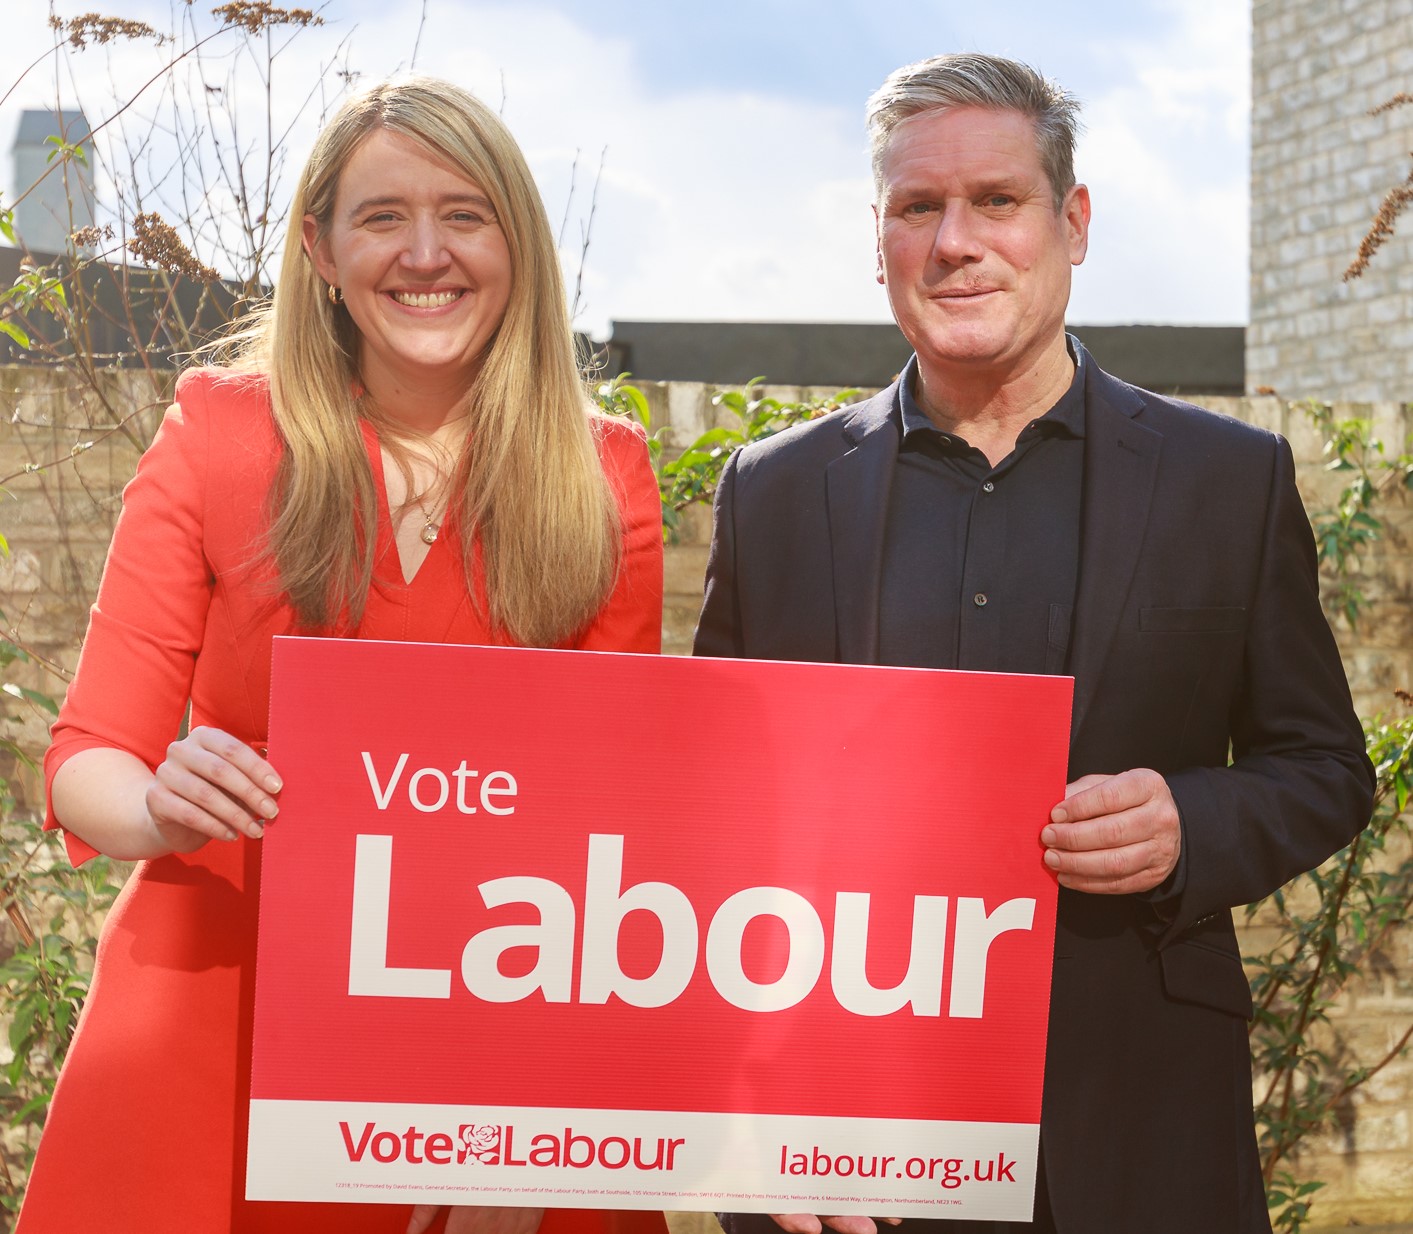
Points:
x=1166 y=162
x=749 y=205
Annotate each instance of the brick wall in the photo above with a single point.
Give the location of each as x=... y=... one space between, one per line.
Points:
x=1320 y=165
x=59 y=519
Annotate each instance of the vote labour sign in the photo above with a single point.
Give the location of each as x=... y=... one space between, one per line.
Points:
x=614 y=931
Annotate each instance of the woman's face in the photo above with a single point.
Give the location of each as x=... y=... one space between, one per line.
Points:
x=423 y=265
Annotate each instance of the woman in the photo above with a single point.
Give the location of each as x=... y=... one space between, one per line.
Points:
x=413 y=376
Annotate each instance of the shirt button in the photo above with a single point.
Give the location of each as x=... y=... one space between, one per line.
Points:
x=979 y=599
x=988 y=487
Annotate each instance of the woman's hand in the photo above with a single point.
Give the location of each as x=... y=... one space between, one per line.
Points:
x=478 y=1220
x=210 y=786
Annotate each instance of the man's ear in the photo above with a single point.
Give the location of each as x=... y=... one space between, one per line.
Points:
x=878 y=246
x=317 y=247
x=1075 y=217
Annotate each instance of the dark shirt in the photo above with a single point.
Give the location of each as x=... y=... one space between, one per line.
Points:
x=980 y=563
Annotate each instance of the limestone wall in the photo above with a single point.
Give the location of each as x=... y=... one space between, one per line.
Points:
x=1320 y=165
x=58 y=518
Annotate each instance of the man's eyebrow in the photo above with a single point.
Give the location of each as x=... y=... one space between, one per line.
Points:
x=923 y=190
x=451 y=199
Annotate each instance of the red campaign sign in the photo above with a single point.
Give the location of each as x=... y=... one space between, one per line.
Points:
x=596 y=930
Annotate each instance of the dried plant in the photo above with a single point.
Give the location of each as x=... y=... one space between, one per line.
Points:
x=156 y=241
x=253 y=16
x=91 y=237
x=1395 y=202
x=94 y=27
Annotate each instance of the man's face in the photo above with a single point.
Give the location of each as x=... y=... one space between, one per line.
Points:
x=975 y=256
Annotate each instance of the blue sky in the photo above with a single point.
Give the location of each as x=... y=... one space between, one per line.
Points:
x=735 y=182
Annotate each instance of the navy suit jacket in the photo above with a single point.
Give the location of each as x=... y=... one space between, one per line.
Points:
x=1197 y=633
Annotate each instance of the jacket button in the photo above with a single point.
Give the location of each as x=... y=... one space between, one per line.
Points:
x=979 y=599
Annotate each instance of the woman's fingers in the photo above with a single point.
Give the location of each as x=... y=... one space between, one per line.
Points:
x=422 y=1217
x=478 y=1219
x=211 y=786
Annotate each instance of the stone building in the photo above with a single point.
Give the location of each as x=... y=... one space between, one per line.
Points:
x=1320 y=165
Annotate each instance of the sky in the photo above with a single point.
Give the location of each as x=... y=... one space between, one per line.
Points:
x=734 y=181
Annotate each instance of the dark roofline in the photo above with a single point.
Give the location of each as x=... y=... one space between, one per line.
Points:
x=1192 y=359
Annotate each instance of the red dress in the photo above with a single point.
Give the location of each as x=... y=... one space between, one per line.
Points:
x=147 y=1130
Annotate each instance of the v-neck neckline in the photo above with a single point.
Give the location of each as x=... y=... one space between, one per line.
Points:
x=386 y=533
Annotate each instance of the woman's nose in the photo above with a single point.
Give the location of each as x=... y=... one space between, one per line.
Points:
x=426 y=245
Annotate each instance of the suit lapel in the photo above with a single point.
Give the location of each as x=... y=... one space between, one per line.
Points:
x=1120 y=470
x=856 y=490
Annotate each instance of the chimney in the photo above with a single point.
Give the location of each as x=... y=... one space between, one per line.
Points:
x=64 y=201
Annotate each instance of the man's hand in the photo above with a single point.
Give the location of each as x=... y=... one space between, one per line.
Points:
x=808 y=1223
x=1113 y=835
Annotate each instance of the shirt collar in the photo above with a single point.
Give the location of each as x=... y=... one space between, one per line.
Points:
x=1066 y=417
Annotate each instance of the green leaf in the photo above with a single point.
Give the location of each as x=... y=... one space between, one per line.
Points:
x=9 y=327
x=31 y=696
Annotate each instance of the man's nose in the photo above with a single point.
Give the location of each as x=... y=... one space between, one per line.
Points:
x=958 y=241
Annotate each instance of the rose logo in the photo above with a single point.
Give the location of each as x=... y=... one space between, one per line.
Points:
x=479 y=1142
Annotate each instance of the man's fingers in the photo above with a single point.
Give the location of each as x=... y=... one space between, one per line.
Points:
x=797 y=1223
x=1101 y=795
x=1107 y=864
x=1146 y=880
x=1113 y=835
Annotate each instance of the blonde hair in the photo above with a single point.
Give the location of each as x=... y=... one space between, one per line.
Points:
x=531 y=494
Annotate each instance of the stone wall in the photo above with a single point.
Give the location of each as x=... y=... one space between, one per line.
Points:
x=1320 y=165
x=59 y=518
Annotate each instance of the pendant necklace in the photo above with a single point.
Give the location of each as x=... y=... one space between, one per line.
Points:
x=430 y=530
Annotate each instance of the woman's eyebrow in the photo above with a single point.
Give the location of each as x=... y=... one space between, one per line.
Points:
x=374 y=203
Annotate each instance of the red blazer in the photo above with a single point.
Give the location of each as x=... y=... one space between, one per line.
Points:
x=187 y=608
x=153 y=1098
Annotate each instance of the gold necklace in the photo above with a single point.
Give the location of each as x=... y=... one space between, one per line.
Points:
x=430 y=530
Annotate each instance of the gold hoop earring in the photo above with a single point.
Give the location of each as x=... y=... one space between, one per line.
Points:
x=335 y=295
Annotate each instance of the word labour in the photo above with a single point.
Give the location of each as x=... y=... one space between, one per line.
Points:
x=552 y=942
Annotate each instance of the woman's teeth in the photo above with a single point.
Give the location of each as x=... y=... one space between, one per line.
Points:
x=424 y=299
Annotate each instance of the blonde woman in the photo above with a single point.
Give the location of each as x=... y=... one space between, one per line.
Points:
x=399 y=448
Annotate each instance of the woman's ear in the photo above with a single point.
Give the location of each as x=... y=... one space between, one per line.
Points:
x=317 y=247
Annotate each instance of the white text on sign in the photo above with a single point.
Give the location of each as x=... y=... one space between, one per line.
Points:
x=606 y=904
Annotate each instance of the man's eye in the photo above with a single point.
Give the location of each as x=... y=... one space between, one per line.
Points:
x=999 y=200
x=918 y=207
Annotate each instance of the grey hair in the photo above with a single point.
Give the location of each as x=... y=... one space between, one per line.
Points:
x=971 y=79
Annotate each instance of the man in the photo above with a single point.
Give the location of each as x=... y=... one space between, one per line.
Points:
x=1007 y=506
